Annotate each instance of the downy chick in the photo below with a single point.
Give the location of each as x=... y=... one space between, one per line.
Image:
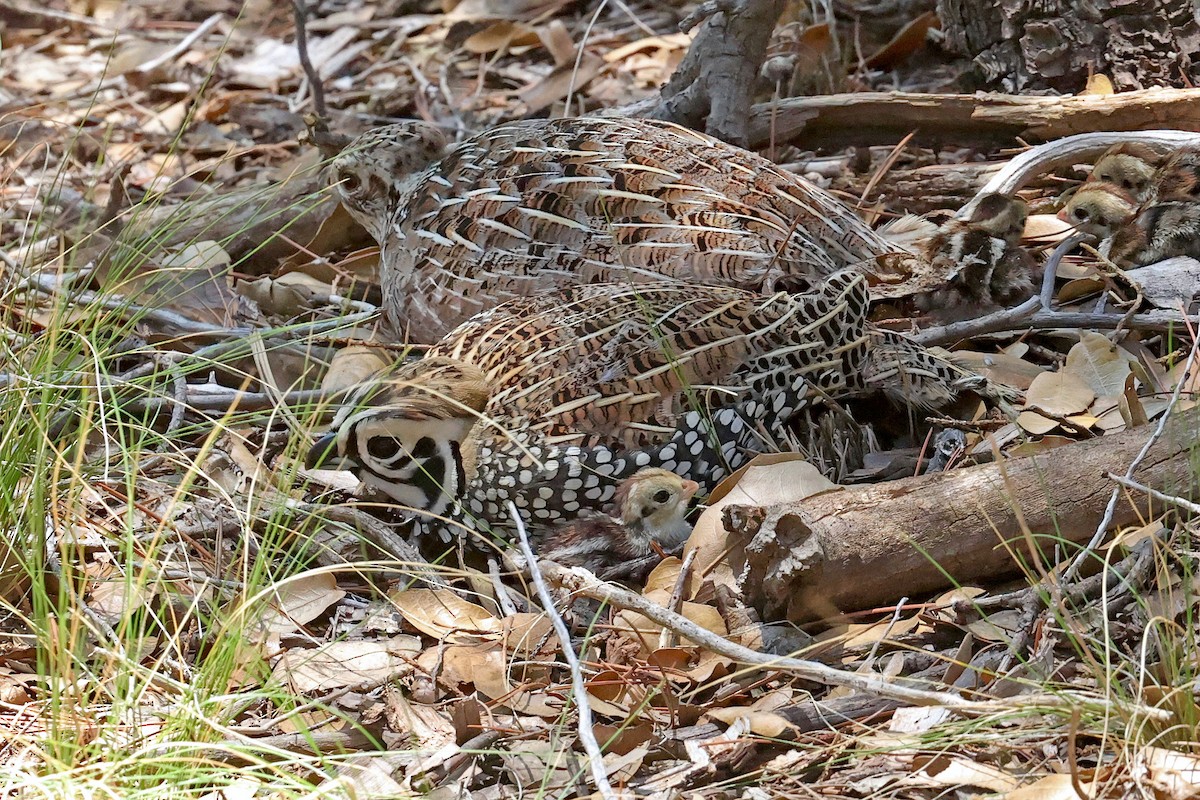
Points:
x=1133 y=236
x=649 y=507
x=983 y=258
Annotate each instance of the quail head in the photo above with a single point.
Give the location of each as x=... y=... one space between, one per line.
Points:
x=1147 y=177
x=408 y=433
x=1131 y=236
x=650 y=507
x=1132 y=168
x=378 y=168
x=1101 y=210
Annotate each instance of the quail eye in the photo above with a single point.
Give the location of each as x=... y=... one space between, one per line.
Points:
x=349 y=181
x=383 y=448
x=662 y=496
x=1080 y=214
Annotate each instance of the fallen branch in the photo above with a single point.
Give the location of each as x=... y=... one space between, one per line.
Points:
x=587 y=735
x=985 y=119
x=863 y=546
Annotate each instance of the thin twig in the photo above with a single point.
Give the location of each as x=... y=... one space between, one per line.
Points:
x=1051 y=272
x=1111 y=508
x=184 y=44
x=586 y=735
x=1027 y=317
x=300 y=14
x=583 y=583
x=1170 y=499
x=44 y=284
x=668 y=637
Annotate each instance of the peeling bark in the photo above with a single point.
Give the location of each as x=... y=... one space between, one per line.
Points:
x=1017 y=45
x=713 y=87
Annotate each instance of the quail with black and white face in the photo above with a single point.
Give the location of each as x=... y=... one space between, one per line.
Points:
x=528 y=207
x=649 y=508
x=552 y=401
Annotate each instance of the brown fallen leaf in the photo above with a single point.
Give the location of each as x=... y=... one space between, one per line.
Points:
x=1059 y=393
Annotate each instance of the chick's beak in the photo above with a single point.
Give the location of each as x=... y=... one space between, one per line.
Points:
x=689 y=489
x=323 y=455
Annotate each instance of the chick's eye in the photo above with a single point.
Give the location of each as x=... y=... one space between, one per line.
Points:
x=1080 y=214
x=662 y=496
x=383 y=448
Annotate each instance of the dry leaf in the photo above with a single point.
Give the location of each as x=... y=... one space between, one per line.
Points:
x=558 y=41
x=1035 y=423
x=908 y=40
x=298 y=601
x=288 y=295
x=1047 y=228
x=1078 y=288
x=672 y=41
x=1059 y=393
x=1130 y=405
x=1100 y=363
x=353 y=365
x=763 y=723
x=942 y=770
x=559 y=83
x=1174 y=775
x=1051 y=787
x=338 y=664
x=527 y=636
x=1099 y=84
x=500 y=36
x=444 y=615
x=1008 y=369
x=1129 y=537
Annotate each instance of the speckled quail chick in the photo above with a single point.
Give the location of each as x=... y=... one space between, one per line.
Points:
x=650 y=507
x=983 y=257
x=1146 y=176
x=1133 y=236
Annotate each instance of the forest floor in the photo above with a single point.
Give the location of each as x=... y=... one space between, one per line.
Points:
x=182 y=604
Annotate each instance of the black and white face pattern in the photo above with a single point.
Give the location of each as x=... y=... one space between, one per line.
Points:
x=416 y=462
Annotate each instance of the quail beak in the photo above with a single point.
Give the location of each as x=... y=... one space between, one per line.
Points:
x=323 y=455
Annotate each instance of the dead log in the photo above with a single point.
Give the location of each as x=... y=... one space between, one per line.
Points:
x=987 y=119
x=258 y=227
x=867 y=546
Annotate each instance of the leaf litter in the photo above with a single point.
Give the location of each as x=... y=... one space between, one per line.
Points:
x=176 y=176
